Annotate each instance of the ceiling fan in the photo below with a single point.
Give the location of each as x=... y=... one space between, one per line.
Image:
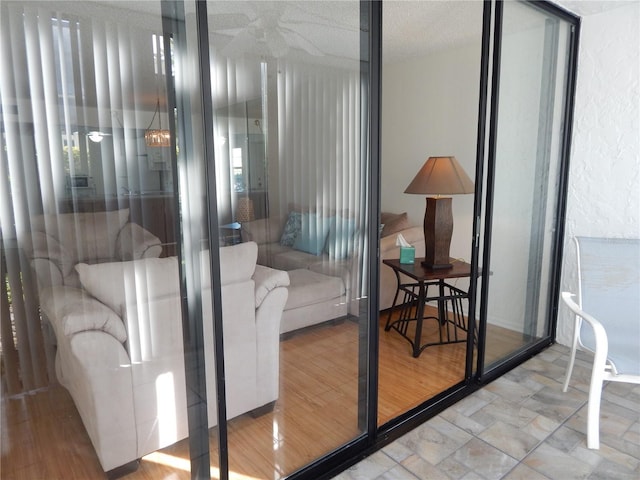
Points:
x=273 y=28
x=96 y=136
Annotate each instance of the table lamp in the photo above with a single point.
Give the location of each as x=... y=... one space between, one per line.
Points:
x=245 y=212
x=439 y=176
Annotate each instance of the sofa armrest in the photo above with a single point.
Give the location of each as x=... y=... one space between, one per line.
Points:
x=135 y=242
x=99 y=377
x=47 y=272
x=268 y=318
x=49 y=259
x=267 y=279
x=71 y=310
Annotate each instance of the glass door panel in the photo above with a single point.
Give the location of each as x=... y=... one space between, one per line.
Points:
x=429 y=108
x=89 y=185
x=291 y=177
x=524 y=180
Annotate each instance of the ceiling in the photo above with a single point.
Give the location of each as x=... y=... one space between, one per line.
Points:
x=583 y=8
x=415 y=28
x=322 y=28
x=322 y=31
x=327 y=28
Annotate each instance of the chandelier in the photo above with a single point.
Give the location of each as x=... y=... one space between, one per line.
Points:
x=157 y=137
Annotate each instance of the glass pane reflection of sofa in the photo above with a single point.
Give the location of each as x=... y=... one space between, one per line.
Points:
x=323 y=255
x=114 y=310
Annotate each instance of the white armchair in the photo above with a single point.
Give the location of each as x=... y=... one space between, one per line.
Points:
x=607 y=320
x=59 y=242
x=120 y=347
x=112 y=315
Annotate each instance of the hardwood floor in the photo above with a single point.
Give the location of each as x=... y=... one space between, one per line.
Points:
x=43 y=436
x=406 y=382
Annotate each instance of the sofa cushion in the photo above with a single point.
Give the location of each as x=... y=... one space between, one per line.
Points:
x=263 y=230
x=313 y=234
x=86 y=237
x=135 y=242
x=394 y=223
x=71 y=311
x=117 y=284
x=293 y=259
x=267 y=252
x=309 y=288
x=291 y=229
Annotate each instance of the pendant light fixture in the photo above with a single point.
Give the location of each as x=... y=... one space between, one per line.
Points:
x=157 y=137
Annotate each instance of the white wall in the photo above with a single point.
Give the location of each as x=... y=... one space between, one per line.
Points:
x=430 y=108
x=604 y=186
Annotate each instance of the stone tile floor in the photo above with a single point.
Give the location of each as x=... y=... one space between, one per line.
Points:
x=520 y=427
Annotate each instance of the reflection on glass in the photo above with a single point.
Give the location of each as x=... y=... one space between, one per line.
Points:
x=91 y=304
x=526 y=175
x=429 y=109
x=288 y=102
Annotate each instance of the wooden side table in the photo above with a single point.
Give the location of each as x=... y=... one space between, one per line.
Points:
x=230 y=234
x=415 y=295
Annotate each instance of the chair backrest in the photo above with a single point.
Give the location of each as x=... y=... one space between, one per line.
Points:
x=609 y=290
x=86 y=237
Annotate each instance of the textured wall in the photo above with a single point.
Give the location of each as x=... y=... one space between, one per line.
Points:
x=604 y=185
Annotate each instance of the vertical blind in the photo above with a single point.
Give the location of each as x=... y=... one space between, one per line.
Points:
x=320 y=160
x=64 y=75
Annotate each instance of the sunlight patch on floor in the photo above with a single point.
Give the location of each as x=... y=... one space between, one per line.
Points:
x=184 y=464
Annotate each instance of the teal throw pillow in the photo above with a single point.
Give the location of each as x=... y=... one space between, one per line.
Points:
x=313 y=234
x=340 y=240
x=291 y=229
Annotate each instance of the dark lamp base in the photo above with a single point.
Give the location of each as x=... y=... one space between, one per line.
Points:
x=438 y=228
x=439 y=266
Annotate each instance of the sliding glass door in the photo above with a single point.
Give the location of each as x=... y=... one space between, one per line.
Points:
x=527 y=140
x=518 y=54
x=429 y=108
x=184 y=193
x=288 y=131
x=88 y=188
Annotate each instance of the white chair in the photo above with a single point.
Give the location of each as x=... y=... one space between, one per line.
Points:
x=607 y=317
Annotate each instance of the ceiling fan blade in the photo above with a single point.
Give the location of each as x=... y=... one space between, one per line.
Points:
x=276 y=42
x=294 y=39
x=243 y=42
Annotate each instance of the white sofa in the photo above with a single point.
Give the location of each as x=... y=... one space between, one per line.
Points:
x=120 y=346
x=320 y=271
x=334 y=257
x=59 y=242
x=268 y=232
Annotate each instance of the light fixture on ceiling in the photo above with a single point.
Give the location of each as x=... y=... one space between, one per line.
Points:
x=157 y=137
x=96 y=136
x=439 y=176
